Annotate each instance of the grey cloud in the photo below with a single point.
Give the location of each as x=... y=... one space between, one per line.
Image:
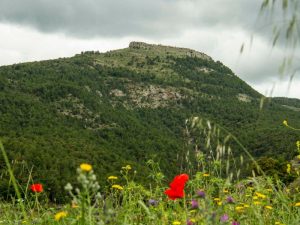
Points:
x=156 y=18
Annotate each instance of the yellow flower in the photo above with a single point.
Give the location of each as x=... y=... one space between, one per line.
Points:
x=206 y=175
x=58 y=216
x=285 y=123
x=239 y=208
x=219 y=203
x=246 y=205
x=257 y=203
x=85 y=167
x=260 y=195
x=217 y=199
x=116 y=186
x=297 y=204
x=225 y=191
x=193 y=220
x=298 y=145
x=268 y=207
x=255 y=197
x=288 y=169
x=127 y=167
x=176 y=223
x=112 y=178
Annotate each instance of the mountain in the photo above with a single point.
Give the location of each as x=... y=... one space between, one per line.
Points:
x=125 y=107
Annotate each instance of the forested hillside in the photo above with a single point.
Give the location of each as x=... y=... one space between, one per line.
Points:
x=126 y=107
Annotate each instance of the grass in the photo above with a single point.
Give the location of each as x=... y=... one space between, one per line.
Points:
x=211 y=196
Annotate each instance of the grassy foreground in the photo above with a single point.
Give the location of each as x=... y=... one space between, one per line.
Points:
x=208 y=199
x=201 y=196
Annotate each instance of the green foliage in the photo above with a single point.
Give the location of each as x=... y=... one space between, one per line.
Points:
x=126 y=107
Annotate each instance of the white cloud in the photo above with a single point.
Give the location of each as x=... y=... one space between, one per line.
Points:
x=23 y=44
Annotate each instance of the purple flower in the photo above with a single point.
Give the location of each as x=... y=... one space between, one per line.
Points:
x=224 y=218
x=152 y=202
x=235 y=223
x=201 y=194
x=229 y=199
x=194 y=204
x=189 y=222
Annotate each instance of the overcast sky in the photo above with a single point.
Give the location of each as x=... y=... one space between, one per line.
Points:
x=33 y=30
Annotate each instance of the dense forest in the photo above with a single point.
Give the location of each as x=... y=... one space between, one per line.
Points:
x=126 y=107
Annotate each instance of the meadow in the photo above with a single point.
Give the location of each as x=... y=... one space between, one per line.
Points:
x=212 y=193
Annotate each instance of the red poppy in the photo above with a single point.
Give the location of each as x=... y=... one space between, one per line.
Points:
x=36 y=188
x=177 y=186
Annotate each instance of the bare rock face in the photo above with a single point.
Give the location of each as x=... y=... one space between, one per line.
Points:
x=117 y=93
x=138 y=45
x=176 y=50
x=243 y=97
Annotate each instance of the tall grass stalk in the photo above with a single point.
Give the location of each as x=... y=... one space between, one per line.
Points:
x=14 y=182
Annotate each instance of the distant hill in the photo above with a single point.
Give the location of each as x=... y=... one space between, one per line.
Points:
x=125 y=107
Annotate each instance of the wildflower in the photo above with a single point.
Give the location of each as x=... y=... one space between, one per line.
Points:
x=245 y=205
x=255 y=197
x=85 y=167
x=219 y=203
x=217 y=199
x=152 y=202
x=116 y=186
x=177 y=186
x=36 y=188
x=224 y=218
x=190 y=222
x=229 y=199
x=285 y=123
x=288 y=169
x=112 y=178
x=235 y=223
x=297 y=204
x=194 y=204
x=298 y=145
x=201 y=193
x=127 y=167
x=257 y=203
x=206 y=175
x=268 y=207
x=260 y=195
x=225 y=191
x=239 y=208
x=176 y=222
x=60 y=215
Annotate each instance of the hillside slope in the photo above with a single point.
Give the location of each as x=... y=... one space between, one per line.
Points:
x=125 y=107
